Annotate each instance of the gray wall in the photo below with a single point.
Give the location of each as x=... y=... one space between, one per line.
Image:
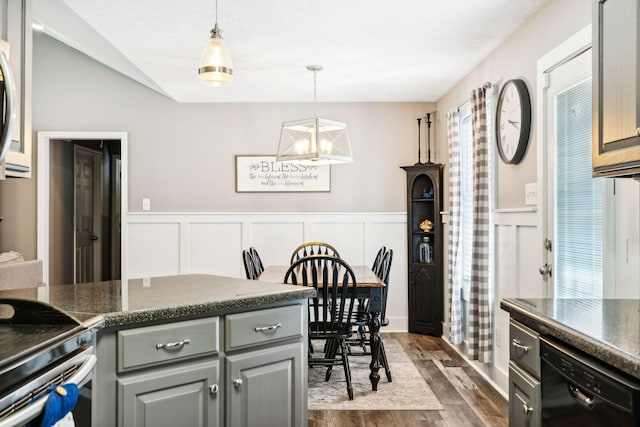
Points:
x=517 y=58
x=181 y=156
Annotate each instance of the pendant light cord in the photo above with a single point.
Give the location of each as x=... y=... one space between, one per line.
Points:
x=315 y=69
x=315 y=102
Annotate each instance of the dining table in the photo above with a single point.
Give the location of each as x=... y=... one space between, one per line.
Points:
x=369 y=286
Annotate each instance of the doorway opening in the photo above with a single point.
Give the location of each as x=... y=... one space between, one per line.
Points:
x=82 y=196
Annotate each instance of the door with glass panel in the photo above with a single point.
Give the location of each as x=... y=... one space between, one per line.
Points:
x=574 y=225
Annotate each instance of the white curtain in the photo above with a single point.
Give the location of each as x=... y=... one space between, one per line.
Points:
x=453 y=267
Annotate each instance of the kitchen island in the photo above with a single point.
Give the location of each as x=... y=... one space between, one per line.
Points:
x=191 y=349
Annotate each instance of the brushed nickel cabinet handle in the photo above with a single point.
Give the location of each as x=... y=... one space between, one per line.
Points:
x=519 y=346
x=268 y=328
x=526 y=409
x=172 y=346
x=237 y=382
x=213 y=389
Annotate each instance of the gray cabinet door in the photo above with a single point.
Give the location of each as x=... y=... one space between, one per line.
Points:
x=176 y=396
x=616 y=82
x=266 y=387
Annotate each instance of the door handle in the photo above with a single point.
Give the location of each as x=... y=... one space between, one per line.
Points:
x=94 y=237
x=545 y=270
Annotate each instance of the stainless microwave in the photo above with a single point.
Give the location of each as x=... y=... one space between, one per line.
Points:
x=7 y=102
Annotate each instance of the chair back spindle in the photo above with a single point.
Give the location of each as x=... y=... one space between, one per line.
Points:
x=257 y=261
x=249 y=268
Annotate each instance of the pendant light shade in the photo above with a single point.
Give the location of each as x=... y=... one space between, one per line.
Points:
x=314 y=141
x=216 y=68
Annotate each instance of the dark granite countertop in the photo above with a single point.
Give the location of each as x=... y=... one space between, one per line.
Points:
x=113 y=303
x=608 y=330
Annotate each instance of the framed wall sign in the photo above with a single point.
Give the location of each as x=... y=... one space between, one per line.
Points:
x=264 y=174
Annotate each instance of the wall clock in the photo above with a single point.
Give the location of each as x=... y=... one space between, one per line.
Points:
x=513 y=121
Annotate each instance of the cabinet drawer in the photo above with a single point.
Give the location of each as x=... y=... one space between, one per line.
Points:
x=257 y=327
x=524 y=398
x=161 y=343
x=524 y=348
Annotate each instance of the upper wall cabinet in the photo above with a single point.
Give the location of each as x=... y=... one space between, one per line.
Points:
x=616 y=77
x=15 y=30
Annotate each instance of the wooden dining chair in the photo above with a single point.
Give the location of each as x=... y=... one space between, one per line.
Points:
x=377 y=262
x=385 y=271
x=313 y=248
x=249 y=268
x=257 y=262
x=361 y=317
x=330 y=310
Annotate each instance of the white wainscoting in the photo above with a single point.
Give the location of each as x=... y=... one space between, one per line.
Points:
x=161 y=244
x=518 y=255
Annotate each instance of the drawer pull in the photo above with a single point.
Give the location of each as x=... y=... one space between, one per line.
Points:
x=237 y=382
x=268 y=328
x=213 y=389
x=172 y=346
x=519 y=346
x=526 y=409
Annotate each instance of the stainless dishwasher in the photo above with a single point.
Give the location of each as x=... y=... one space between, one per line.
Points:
x=578 y=390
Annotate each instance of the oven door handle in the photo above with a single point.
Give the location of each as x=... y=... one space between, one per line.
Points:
x=29 y=412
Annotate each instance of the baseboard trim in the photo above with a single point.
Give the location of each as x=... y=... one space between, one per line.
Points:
x=474 y=365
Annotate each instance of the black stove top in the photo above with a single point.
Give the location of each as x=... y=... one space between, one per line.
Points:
x=33 y=336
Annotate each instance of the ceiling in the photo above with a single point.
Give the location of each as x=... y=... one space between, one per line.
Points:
x=371 y=50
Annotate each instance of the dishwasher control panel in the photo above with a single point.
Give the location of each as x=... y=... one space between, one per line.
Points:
x=588 y=377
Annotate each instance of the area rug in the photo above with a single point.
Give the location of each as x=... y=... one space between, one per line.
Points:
x=407 y=391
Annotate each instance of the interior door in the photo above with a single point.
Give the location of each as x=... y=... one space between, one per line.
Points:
x=568 y=124
x=87 y=208
x=116 y=220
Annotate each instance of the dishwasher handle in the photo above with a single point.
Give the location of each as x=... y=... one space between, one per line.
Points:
x=581 y=397
x=80 y=377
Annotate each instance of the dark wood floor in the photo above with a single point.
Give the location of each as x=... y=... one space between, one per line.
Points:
x=467 y=399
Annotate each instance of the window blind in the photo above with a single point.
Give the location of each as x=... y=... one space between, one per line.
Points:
x=578 y=217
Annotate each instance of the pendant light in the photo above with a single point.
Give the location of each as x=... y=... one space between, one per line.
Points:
x=314 y=141
x=216 y=68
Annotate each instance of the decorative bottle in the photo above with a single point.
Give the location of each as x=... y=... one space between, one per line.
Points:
x=425 y=250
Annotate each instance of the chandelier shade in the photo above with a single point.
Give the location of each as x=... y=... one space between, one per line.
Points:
x=314 y=141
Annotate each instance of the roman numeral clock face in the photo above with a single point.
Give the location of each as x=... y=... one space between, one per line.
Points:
x=513 y=121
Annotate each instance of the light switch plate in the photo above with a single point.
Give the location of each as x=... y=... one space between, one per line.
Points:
x=146 y=204
x=531 y=193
